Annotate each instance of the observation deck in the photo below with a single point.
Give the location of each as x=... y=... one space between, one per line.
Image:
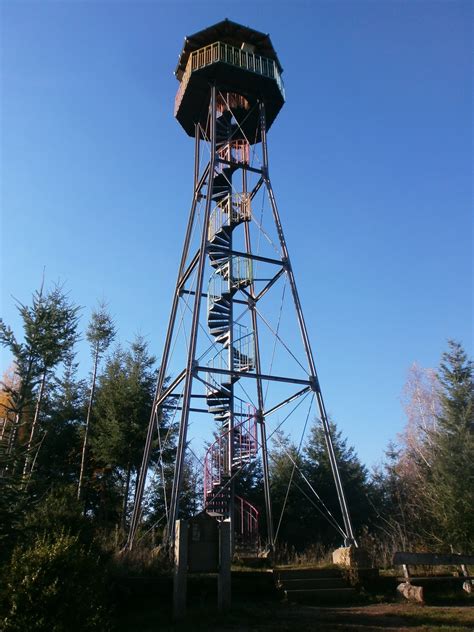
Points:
x=239 y=61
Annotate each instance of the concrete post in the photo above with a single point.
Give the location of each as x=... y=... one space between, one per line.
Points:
x=224 y=577
x=180 y=568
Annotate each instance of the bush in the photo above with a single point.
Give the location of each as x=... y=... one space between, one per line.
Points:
x=56 y=512
x=56 y=585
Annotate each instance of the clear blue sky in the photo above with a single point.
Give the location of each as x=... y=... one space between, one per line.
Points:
x=371 y=163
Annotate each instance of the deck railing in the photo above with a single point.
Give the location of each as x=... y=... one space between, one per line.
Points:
x=220 y=52
x=235 y=151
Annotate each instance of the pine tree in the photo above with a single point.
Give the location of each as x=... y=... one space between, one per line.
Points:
x=63 y=415
x=120 y=418
x=354 y=479
x=50 y=332
x=100 y=334
x=292 y=509
x=451 y=481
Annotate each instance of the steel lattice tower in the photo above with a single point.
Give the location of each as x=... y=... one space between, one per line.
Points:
x=229 y=95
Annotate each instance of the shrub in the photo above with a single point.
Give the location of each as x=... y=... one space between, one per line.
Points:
x=56 y=584
x=56 y=512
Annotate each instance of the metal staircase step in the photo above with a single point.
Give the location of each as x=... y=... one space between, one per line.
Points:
x=219 y=411
x=220 y=322
x=221 y=306
x=216 y=260
x=223 y=339
x=221 y=236
x=219 y=319
x=222 y=326
x=218 y=331
x=218 y=390
x=215 y=323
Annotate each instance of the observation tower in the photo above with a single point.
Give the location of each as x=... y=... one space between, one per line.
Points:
x=237 y=349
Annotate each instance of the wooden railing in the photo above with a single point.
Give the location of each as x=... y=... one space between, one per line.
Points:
x=220 y=52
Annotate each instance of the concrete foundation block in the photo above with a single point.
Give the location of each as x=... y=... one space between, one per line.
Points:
x=351 y=557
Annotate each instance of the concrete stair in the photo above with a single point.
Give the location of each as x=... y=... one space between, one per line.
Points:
x=314 y=585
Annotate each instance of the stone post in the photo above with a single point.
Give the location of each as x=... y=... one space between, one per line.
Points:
x=224 y=576
x=180 y=568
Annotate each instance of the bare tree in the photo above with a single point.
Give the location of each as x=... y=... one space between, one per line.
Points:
x=422 y=406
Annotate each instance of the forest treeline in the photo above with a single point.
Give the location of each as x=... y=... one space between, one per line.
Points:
x=71 y=449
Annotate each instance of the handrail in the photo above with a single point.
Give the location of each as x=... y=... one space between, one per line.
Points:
x=248 y=516
x=232 y=210
x=244 y=358
x=245 y=439
x=242 y=274
x=221 y=52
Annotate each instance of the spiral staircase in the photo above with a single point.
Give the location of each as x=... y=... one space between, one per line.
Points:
x=236 y=444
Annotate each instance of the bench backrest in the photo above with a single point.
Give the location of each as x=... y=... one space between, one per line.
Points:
x=431 y=559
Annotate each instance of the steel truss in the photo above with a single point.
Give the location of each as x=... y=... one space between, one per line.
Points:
x=191 y=375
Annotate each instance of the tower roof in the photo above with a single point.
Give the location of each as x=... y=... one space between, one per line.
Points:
x=230 y=33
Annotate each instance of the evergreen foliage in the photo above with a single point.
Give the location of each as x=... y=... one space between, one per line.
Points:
x=425 y=493
x=354 y=477
x=63 y=413
x=290 y=496
x=100 y=334
x=50 y=332
x=59 y=432
x=101 y=331
x=451 y=476
x=55 y=583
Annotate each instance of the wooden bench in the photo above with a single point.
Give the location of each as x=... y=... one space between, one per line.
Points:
x=410 y=587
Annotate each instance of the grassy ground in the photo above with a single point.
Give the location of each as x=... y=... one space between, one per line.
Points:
x=256 y=606
x=274 y=616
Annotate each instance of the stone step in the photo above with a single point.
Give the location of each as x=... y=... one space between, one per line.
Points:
x=321 y=595
x=312 y=583
x=306 y=573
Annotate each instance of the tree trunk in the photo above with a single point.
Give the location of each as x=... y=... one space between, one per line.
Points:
x=125 y=497
x=34 y=424
x=86 y=432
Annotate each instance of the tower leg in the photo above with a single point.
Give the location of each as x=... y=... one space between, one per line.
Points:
x=260 y=418
x=162 y=374
x=304 y=334
x=183 y=427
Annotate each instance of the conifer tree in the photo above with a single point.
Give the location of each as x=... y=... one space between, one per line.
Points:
x=354 y=479
x=63 y=414
x=291 y=509
x=100 y=334
x=123 y=405
x=451 y=480
x=50 y=332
